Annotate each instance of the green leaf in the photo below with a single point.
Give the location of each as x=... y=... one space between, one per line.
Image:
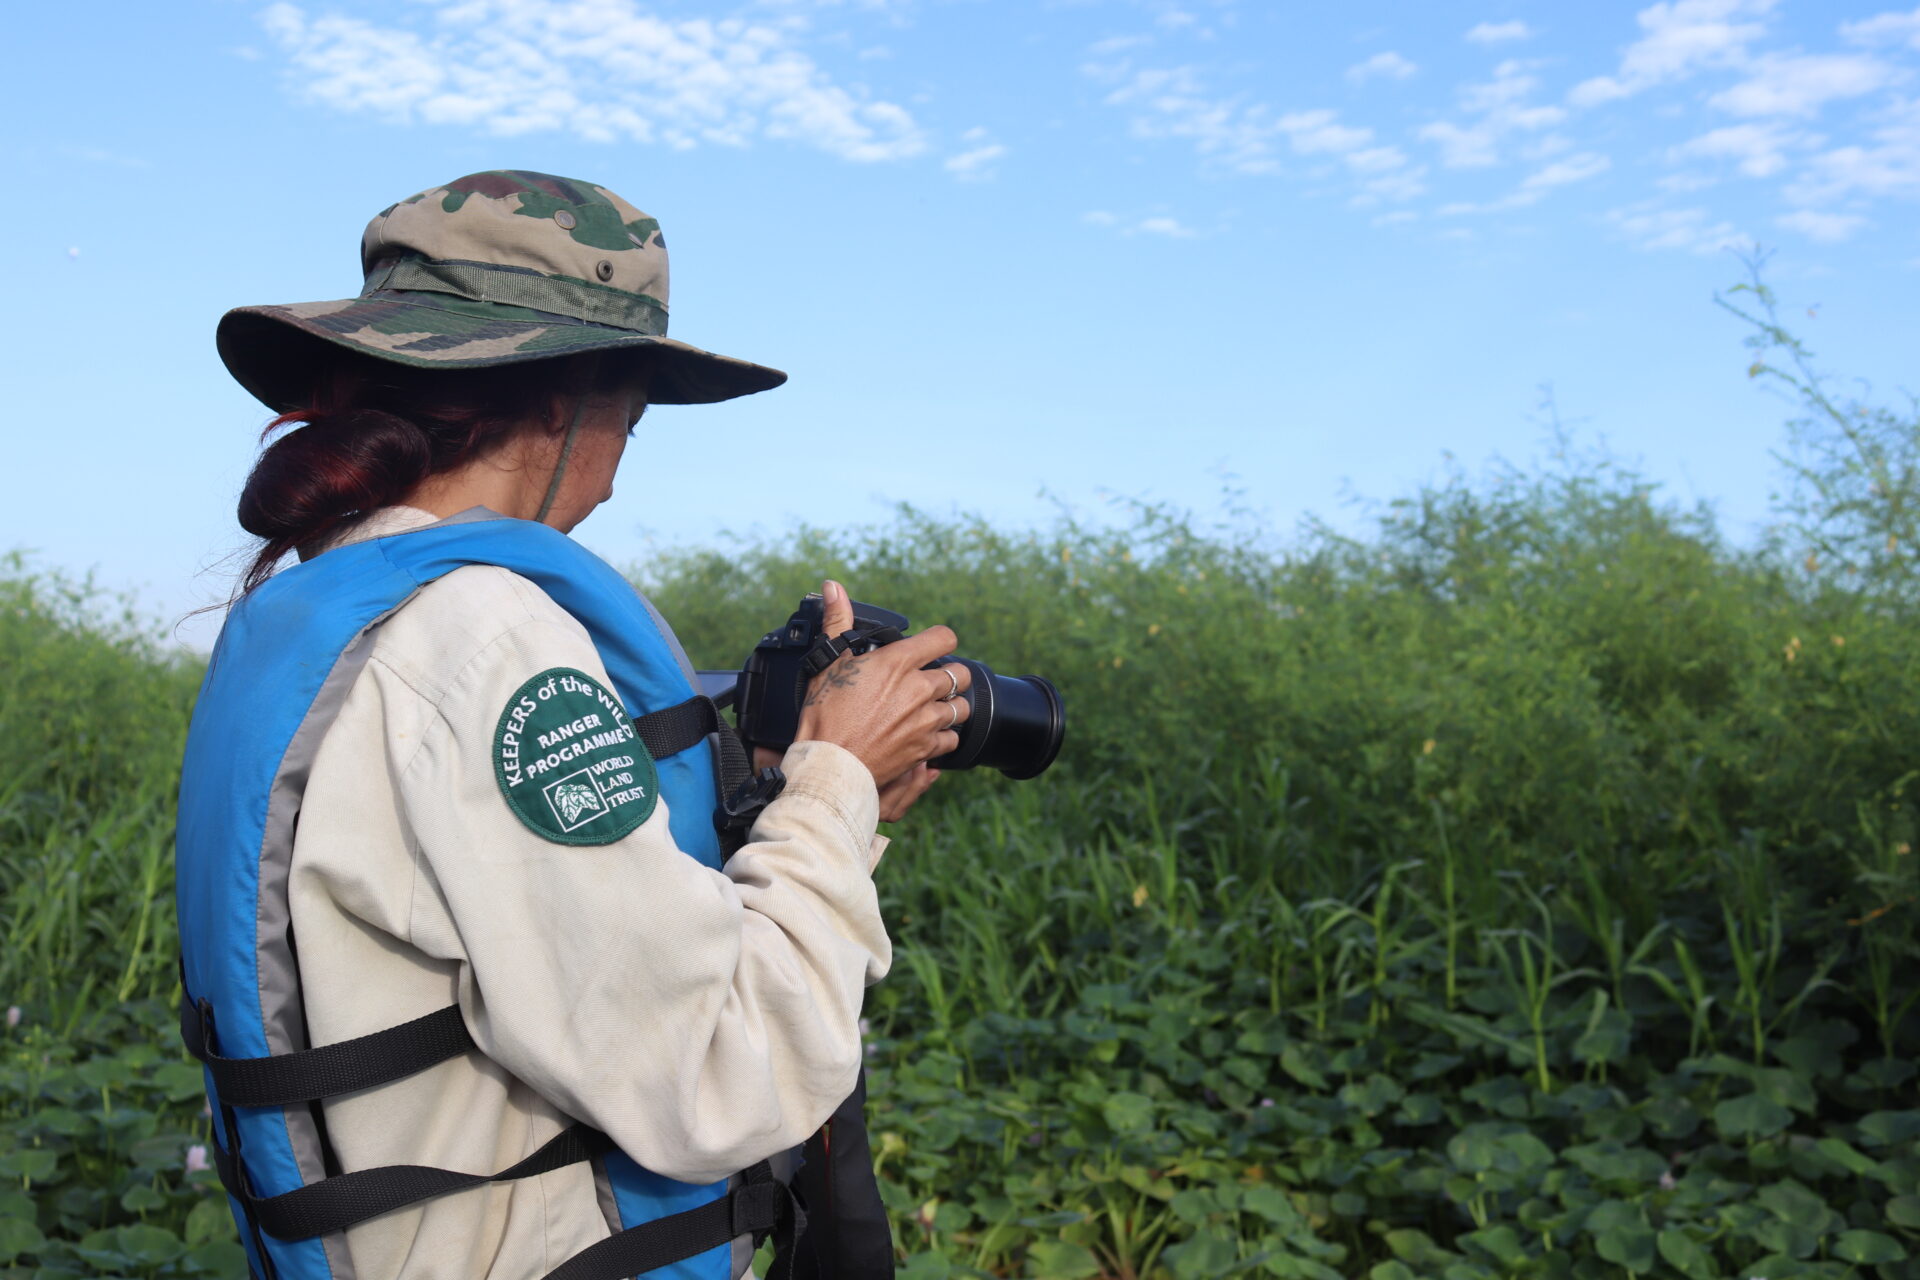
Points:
x=1419 y=1108
x=1128 y=1112
x=1847 y=1157
x=62 y=1120
x=934 y=1266
x=1611 y=1162
x=950 y=1217
x=141 y=1198
x=1685 y=1254
x=1272 y=1204
x=1631 y=1248
x=149 y=1245
x=1194 y=1204
x=1204 y=1257
x=32 y=1163
x=1391 y=1271
x=222 y=1258
x=1795 y=1204
x=1808 y=1056
x=1499 y=1242
x=1904 y=1211
x=1607 y=1039
x=210 y=1219
x=180 y=1081
x=18 y=1236
x=1062 y=1258
x=1867 y=1247
x=1417 y=1249
x=1751 y=1116
x=1889 y=1128
x=1305 y=1063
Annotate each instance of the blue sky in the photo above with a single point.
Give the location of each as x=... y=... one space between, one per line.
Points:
x=1144 y=248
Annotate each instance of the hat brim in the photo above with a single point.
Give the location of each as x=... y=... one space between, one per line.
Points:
x=272 y=351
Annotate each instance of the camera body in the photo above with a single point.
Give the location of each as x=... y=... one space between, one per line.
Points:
x=1016 y=723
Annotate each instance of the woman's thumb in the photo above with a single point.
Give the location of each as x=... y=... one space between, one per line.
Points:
x=837 y=616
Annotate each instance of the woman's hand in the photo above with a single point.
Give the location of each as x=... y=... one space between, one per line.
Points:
x=882 y=707
x=896 y=796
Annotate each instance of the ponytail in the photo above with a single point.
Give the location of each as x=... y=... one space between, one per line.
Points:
x=374 y=431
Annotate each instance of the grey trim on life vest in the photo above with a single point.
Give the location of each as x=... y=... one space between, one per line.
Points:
x=282 y=1015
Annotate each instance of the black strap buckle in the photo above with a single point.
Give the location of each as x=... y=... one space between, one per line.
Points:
x=756 y=1208
x=738 y=811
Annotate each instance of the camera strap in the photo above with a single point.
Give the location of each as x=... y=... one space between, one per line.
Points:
x=827 y=649
x=743 y=793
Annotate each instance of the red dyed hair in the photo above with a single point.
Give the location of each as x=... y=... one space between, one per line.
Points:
x=374 y=430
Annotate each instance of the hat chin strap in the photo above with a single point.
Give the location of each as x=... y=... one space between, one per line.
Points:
x=566 y=453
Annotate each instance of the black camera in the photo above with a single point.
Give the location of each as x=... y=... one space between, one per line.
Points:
x=1016 y=725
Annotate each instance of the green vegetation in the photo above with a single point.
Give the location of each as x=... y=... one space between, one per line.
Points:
x=1524 y=889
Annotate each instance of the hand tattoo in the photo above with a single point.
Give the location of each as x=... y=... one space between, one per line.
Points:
x=839 y=675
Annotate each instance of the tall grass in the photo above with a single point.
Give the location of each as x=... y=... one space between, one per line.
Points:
x=93 y=714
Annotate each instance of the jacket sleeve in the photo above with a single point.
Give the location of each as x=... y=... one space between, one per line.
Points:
x=703 y=1019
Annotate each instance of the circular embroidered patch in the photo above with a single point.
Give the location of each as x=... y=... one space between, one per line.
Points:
x=569 y=763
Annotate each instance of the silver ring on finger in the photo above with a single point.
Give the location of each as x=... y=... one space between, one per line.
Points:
x=953 y=684
x=953 y=709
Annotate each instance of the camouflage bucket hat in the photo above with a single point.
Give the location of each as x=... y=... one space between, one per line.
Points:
x=494 y=268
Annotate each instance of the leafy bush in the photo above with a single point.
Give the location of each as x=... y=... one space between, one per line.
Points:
x=1524 y=888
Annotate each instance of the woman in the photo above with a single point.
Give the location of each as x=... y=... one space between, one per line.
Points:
x=482 y=989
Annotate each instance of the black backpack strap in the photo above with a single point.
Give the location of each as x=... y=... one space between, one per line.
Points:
x=333 y=1204
x=346 y=1067
x=761 y=1204
x=741 y=792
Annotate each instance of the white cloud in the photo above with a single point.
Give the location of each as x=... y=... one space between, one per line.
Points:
x=1398 y=217
x=976 y=163
x=1826 y=228
x=1759 y=150
x=1314 y=132
x=1680 y=37
x=1888 y=165
x=1499 y=32
x=1578 y=168
x=1689 y=229
x=1884 y=28
x=1388 y=65
x=1680 y=183
x=1170 y=227
x=1158 y=224
x=1241 y=136
x=1117 y=44
x=1798 y=85
x=1535 y=186
x=603 y=70
x=1502 y=110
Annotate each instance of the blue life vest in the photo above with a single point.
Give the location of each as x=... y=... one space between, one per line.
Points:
x=283 y=664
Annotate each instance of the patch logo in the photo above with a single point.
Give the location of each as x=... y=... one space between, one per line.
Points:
x=569 y=763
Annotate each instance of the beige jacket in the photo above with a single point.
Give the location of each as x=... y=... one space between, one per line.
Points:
x=703 y=1019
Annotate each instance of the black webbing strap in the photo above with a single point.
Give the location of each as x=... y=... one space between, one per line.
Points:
x=333 y=1069
x=672 y=730
x=827 y=649
x=333 y=1204
x=760 y=1204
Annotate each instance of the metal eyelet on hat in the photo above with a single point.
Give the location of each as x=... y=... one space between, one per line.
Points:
x=565 y=218
x=604 y=270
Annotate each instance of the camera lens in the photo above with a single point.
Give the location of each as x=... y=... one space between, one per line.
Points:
x=1016 y=726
